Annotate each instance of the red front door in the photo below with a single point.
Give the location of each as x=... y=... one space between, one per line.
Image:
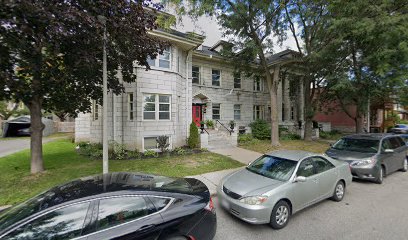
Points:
x=197 y=115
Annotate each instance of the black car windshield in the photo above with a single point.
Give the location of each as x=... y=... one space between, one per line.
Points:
x=357 y=145
x=272 y=167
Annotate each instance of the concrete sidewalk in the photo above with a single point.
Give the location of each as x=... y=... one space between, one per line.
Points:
x=212 y=179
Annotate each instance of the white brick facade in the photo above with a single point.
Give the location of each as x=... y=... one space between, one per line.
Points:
x=176 y=82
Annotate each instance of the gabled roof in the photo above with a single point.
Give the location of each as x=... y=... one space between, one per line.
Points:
x=221 y=42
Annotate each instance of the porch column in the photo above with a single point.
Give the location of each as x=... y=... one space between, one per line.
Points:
x=286 y=98
x=301 y=107
x=301 y=101
x=279 y=101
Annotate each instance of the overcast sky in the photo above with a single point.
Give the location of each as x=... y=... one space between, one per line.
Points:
x=209 y=27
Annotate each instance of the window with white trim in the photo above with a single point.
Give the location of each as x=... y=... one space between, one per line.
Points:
x=162 y=60
x=95 y=110
x=216 y=111
x=156 y=107
x=237 y=80
x=150 y=143
x=258 y=84
x=258 y=112
x=195 y=74
x=237 y=112
x=216 y=77
x=131 y=106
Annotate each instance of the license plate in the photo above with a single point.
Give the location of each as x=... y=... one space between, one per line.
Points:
x=225 y=204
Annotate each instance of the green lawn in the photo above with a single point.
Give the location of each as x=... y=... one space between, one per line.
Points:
x=264 y=146
x=63 y=164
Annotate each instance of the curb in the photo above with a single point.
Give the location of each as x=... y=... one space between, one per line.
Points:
x=2 y=208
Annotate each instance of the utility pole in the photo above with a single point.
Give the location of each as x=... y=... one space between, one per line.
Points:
x=105 y=145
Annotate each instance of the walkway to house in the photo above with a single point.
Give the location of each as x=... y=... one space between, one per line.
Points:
x=242 y=155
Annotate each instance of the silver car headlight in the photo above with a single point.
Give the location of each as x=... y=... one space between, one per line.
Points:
x=254 y=200
x=369 y=162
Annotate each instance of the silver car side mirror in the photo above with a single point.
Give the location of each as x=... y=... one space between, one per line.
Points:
x=300 y=179
x=249 y=164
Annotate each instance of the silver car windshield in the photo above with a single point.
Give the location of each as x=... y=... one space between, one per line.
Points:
x=273 y=167
x=357 y=145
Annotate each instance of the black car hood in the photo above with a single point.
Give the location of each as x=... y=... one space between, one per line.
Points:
x=348 y=155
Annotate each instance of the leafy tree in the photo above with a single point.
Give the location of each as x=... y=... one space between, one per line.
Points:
x=51 y=54
x=7 y=111
x=307 y=22
x=250 y=26
x=374 y=46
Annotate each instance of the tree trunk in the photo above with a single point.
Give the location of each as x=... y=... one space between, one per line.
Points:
x=37 y=128
x=359 y=124
x=309 y=113
x=273 y=82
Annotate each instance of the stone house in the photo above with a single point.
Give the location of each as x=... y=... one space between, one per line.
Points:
x=190 y=82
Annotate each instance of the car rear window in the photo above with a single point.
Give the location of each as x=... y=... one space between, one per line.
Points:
x=357 y=145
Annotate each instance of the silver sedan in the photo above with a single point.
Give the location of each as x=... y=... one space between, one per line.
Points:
x=281 y=183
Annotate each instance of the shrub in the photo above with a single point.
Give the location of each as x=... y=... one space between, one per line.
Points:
x=260 y=129
x=193 y=138
x=179 y=151
x=290 y=136
x=209 y=123
x=134 y=154
x=150 y=153
x=116 y=151
x=93 y=150
x=97 y=154
x=163 y=143
x=245 y=138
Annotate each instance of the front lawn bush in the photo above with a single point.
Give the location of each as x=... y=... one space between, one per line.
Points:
x=260 y=129
x=193 y=138
x=245 y=138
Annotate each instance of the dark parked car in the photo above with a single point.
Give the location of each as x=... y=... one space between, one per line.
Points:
x=23 y=132
x=399 y=128
x=371 y=156
x=115 y=206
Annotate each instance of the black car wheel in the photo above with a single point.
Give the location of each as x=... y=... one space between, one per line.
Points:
x=280 y=215
x=339 y=192
x=381 y=175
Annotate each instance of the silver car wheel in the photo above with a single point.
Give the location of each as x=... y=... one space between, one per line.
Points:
x=381 y=177
x=406 y=165
x=282 y=215
x=339 y=191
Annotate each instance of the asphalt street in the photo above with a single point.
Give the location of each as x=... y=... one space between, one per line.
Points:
x=368 y=211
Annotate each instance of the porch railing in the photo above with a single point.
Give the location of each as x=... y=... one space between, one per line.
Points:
x=230 y=131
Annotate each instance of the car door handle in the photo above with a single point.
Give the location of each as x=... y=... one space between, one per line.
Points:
x=315 y=180
x=146 y=228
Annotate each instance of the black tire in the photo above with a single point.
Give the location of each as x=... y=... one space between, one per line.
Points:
x=280 y=216
x=339 y=191
x=405 y=167
x=381 y=176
